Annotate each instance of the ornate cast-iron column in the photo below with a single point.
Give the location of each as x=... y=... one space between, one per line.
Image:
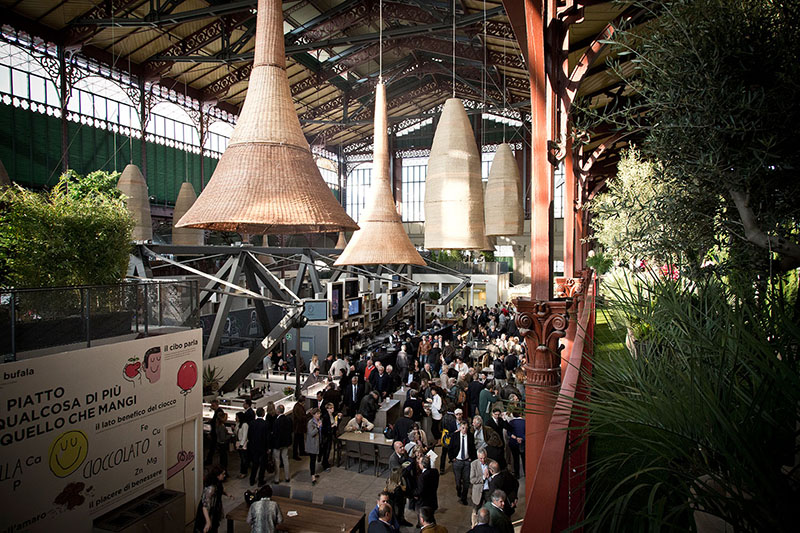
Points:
x=543 y=325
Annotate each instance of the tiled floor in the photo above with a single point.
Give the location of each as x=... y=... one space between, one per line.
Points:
x=364 y=486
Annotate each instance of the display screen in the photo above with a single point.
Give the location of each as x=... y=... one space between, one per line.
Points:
x=354 y=307
x=316 y=310
x=375 y=317
x=337 y=300
x=393 y=299
x=350 y=288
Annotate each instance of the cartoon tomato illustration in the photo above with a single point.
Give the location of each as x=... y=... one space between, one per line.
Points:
x=187 y=376
x=132 y=369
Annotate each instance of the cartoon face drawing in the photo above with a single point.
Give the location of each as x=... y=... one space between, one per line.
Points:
x=152 y=364
x=68 y=452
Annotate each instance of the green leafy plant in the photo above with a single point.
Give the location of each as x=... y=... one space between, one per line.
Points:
x=78 y=233
x=212 y=378
x=433 y=296
x=601 y=262
x=705 y=419
x=288 y=390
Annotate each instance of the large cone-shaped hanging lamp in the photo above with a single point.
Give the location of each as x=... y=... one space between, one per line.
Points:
x=453 y=190
x=267 y=180
x=382 y=238
x=185 y=236
x=131 y=183
x=341 y=243
x=503 y=200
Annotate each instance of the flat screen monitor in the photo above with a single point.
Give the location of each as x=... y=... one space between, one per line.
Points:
x=375 y=317
x=354 y=307
x=350 y=288
x=337 y=301
x=315 y=310
x=392 y=299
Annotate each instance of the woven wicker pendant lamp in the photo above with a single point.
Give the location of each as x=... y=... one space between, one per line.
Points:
x=341 y=243
x=503 y=202
x=185 y=236
x=453 y=190
x=131 y=183
x=382 y=238
x=267 y=180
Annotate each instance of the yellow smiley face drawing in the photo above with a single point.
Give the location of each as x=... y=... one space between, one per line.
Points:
x=67 y=452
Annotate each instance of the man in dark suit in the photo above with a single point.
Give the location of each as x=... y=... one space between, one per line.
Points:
x=383 y=520
x=379 y=380
x=505 y=481
x=498 y=424
x=281 y=441
x=416 y=405
x=398 y=457
x=462 y=452
x=473 y=396
x=426 y=494
x=482 y=522
x=353 y=395
x=369 y=405
x=249 y=413
x=257 y=445
x=404 y=425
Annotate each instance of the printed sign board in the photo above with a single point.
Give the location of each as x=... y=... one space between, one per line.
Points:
x=84 y=431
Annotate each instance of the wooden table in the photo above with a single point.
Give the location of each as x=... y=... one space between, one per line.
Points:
x=311 y=517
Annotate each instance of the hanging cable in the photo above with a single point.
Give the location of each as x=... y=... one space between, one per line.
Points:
x=380 y=42
x=454 y=48
x=483 y=81
x=187 y=102
x=505 y=111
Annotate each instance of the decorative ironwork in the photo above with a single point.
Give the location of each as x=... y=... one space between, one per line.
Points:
x=543 y=325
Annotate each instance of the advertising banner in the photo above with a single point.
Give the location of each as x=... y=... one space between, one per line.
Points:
x=84 y=431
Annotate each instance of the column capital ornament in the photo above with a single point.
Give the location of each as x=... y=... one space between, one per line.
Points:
x=542 y=324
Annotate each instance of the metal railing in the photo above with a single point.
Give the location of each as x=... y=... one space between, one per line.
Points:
x=557 y=499
x=491 y=268
x=34 y=319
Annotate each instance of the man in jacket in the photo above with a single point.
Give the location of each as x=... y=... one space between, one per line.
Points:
x=503 y=480
x=378 y=514
x=403 y=425
x=369 y=406
x=479 y=478
x=428 y=522
x=485 y=399
x=498 y=424
x=257 y=445
x=482 y=522
x=353 y=395
x=415 y=404
x=462 y=452
x=426 y=494
x=473 y=396
x=497 y=518
x=281 y=440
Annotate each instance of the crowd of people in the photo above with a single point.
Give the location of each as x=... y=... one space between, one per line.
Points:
x=463 y=405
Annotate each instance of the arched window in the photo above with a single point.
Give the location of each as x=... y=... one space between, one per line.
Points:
x=25 y=83
x=102 y=103
x=219 y=133
x=171 y=125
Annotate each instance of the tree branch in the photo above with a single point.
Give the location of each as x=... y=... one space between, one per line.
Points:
x=754 y=234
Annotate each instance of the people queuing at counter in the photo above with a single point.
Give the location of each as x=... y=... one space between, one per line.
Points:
x=462 y=403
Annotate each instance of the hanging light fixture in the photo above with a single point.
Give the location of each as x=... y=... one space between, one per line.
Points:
x=267 y=181
x=341 y=243
x=184 y=201
x=503 y=201
x=382 y=238
x=453 y=189
x=131 y=183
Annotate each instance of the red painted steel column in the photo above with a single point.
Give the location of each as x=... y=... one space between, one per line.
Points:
x=541 y=170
